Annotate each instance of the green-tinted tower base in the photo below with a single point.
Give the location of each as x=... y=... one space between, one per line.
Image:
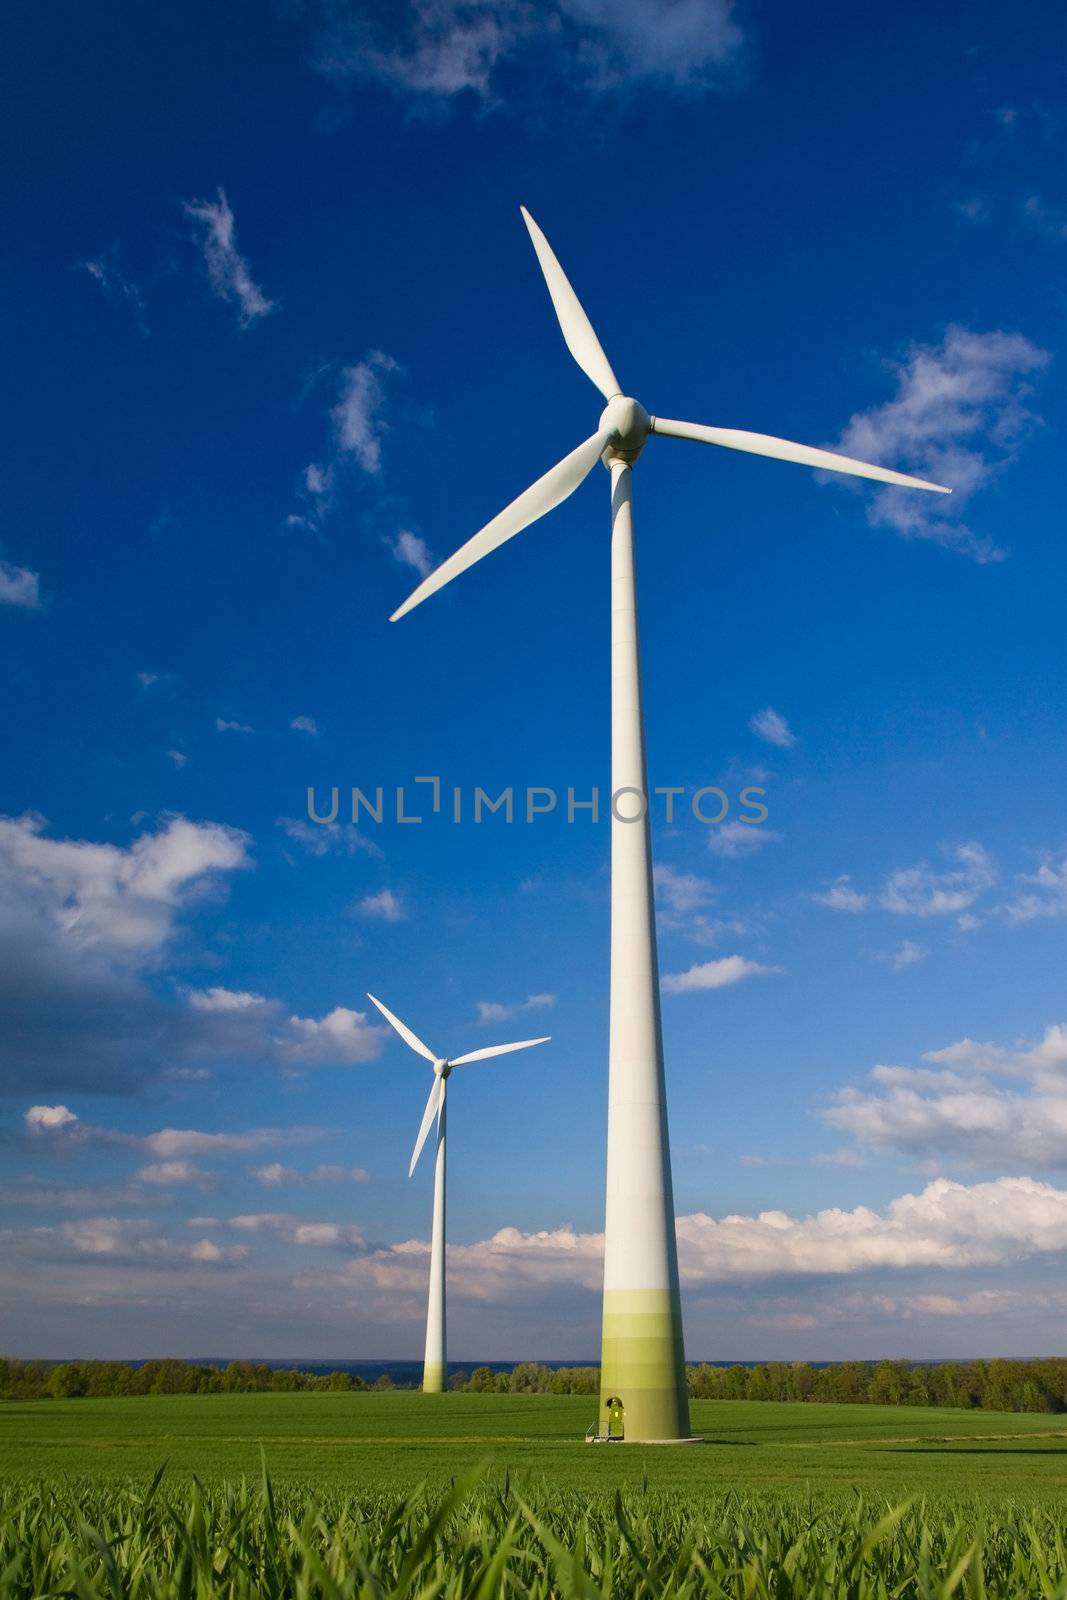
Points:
x=643 y=1364
x=433 y=1378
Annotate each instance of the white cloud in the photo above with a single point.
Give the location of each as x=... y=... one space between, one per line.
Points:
x=293 y=1230
x=341 y=1036
x=115 y=285
x=106 y=898
x=1042 y=893
x=274 y=1174
x=178 y=757
x=358 y=418
x=733 y=839
x=974 y=209
x=19 y=587
x=256 y=1028
x=41 y=1119
x=220 y=999
x=906 y=954
x=225 y=726
x=714 y=975
x=133 y=1240
x=983 y=1104
x=171 y=1172
x=841 y=896
x=494 y=1011
x=227 y=269
x=441 y=48
x=771 y=726
x=177 y=1142
x=681 y=892
x=947 y=1225
x=1045 y=218
x=919 y=892
x=957 y=418
x=411 y=551
x=385 y=906
x=328 y=838
x=305 y=725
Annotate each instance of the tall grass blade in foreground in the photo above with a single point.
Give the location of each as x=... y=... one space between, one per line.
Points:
x=191 y=1541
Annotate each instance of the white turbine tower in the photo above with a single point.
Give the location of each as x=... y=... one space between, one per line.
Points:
x=643 y=1362
x=433 y=1372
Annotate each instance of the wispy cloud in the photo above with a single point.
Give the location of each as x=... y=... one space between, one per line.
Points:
x=841 y=896
x=225 y=725
x=305 y=725
x=771 y=726
x=1042 y=893
x=959 y=414
x=681 y=893
x=276 y=1175
x=1047 y=219
x=19 y=587
x=227 y=270
x=113 y=282
x=437 y=49
x=358 y=425
x=171 y=1172
x=495 y=1011
x=733 y=839
x=59 y=1129
x=385 y=906
x=413 y=552
x=328 y=838
x=920 y=891
x=907 y=954
x=714 y=975
x=359 y=415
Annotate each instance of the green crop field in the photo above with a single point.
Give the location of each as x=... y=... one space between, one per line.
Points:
x=399 y=1495
x=395 y=1440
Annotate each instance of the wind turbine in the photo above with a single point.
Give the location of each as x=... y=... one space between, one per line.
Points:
x=433 y=1372
x=643 y=1360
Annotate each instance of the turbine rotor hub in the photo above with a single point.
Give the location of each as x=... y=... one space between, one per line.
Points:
x=631 y=425
x=442 y=1068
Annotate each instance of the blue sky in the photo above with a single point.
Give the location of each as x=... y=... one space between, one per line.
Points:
x=276 y=341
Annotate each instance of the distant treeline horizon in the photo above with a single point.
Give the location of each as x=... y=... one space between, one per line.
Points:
x=1038 y=1384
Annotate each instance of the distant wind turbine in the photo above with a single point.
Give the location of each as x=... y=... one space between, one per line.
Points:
x=433 y=1372
x=643 y=1361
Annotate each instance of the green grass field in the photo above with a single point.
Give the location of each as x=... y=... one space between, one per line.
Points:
x=406 y=1496
x=395 y=1440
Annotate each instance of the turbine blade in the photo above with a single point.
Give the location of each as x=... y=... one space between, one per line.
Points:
x=541 y=497
x=432 y=1108
x=577 y=330
x=405 y=1032
x=805 y=455
x=498 y=1050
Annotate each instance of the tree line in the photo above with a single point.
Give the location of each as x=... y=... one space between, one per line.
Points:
x=996 y=1385
x=75 y=1380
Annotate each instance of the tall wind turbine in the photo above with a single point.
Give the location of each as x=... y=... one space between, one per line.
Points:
x=643 y=1362
x=433 y=1371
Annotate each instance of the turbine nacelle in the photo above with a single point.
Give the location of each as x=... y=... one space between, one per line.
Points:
x=629 y=424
